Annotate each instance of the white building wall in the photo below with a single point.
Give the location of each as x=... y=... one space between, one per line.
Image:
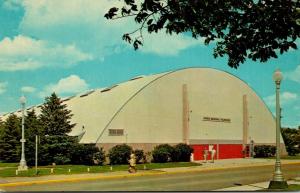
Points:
x=154 y=115
x=262 y=125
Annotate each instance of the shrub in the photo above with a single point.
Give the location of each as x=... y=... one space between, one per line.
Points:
x=264 y=151
x=139 y=154
x=85 y=153
x=61 y=159
x=163 y=153
x=99 y=157
x=119 y=154
x=292 y=151
x=182 y=152
x=148 y=157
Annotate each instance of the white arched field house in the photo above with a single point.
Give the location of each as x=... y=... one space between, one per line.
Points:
x=202 y=107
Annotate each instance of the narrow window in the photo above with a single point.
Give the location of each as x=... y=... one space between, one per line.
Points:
x=116 y=132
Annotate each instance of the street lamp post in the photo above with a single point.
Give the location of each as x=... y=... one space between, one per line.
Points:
x=278 y=181
x=36 y=154
x=23 y=165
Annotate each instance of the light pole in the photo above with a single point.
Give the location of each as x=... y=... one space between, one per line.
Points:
x=278 y=181
x=36 y=153
x=23 y=165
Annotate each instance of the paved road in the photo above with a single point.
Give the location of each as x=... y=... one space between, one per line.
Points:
x=192 y=181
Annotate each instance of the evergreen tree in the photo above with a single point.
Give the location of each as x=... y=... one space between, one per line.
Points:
x=10 y=139
x=1 y=128
x=32 y=128
x=55 y=116
x=56 y=145
x=1 y=133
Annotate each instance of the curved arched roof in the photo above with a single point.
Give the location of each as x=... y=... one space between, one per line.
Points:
x=95 y=111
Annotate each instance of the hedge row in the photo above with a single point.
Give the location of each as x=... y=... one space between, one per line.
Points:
x=167 y=153
x=120 y=154
x=264 y=151
x=89 y=154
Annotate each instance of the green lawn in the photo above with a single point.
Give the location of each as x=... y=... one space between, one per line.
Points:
x=8 y=164
x=9 y=170
x=285 y=157
x=291 y=157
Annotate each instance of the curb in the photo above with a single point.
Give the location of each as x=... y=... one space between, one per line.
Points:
x=76 y=179
x=158 y=172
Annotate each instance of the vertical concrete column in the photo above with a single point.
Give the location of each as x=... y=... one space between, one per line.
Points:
x=185 y=114
x=217 y=151
x=245 y=121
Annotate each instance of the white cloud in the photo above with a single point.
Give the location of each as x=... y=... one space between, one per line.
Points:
x=163 y=44
x=12 y=4
x=3 y=86
x=70 y=85
x=285 y=98
x=294 y=75
x=28 y=89
x=83 y=22
x=24 y=53
x=77 y=21
x=54 y=12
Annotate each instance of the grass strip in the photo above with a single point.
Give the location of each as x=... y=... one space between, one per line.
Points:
x=79 y=169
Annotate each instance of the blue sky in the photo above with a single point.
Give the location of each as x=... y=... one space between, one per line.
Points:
x=69 y=47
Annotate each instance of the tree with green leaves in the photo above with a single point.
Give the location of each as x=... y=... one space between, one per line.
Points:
x=32 y=127
x=254 y=29
x=10 y=139
x=291 y=139
x=56 y=145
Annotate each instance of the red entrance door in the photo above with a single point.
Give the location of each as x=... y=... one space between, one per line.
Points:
x=224 y=151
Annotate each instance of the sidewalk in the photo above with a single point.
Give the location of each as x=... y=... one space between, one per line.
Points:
x=217 y=165
x=230 y=163
x=256 y=186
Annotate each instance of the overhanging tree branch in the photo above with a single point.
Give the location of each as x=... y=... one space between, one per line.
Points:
x=257 y=30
